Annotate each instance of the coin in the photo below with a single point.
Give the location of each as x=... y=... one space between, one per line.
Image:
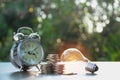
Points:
x=47 y=68
x=52 y=65
x=59 y=68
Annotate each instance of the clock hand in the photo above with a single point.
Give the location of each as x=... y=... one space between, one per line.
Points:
x=29 y=52
x=32 y=54
x=34 y=49
x=35 y=55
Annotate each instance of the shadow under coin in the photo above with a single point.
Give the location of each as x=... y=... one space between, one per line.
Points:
x=21 y=75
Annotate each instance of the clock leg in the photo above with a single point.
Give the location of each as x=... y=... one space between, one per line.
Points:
x=25 y=68
x=37 y=67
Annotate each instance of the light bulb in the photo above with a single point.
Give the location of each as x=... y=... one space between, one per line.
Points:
x=73 y=54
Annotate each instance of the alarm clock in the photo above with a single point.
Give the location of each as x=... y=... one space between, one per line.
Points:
x=26 y=50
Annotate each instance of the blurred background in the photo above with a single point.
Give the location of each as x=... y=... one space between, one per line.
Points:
x=92 y=26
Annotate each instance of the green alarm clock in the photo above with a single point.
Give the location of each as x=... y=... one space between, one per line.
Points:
x=26 y=51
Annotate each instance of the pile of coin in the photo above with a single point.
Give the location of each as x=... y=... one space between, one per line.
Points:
x=52 y=65
x=59 y=68
x=46 y=68
x=53 y=58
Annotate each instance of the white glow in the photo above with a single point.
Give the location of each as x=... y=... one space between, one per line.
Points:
x=39 y=19
x=118 y=19
x=103 y=24
x=39 y=25
x=95 y=18
x=50 y=16
x=38 y=10
x=89 y=24
x=88 y=3
x=53 y=5
x=107 y=21
x=104 y=17
x=77 y=2
x=58 y=40
x=110 y=7
x=43 y=16
x=82 y=1
x=94 y=3
x=104 y=4
x=90 y=27
x=99 y=27
x=116 y=4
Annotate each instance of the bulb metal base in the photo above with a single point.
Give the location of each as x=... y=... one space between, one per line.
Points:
x=91 y=67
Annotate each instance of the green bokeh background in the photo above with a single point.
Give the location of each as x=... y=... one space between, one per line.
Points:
x=92 y=26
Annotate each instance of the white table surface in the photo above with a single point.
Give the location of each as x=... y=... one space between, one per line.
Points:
x=107 y=71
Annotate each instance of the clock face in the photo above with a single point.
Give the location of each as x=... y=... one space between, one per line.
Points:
x=30 y=52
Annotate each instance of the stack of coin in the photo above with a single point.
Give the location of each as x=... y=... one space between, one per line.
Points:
x=53 y=58
x=46 y=68
x=59 y=68
x=52 y=65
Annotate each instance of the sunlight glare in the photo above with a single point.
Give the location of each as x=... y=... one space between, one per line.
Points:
x=89 y=23
x=104 y=4
x=53 y=5
x=50 y=16
x=99 y=27
x=104 y=17
x=77 y=2
x=118 y=19
x=116 y=4
x=110 y=7
x=94 y=3
x=39 y=19
x=88 y=3
x=107 y=21
x=95 y=18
